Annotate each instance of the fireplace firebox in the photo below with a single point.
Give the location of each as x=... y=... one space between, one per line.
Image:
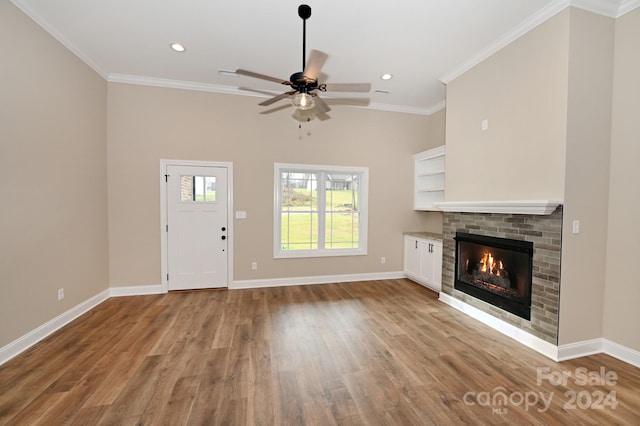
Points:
x=495 y=270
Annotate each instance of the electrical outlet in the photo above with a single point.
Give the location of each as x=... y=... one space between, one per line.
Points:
x=254 y=265
x=60 y=293
x=383 y=260
x=484 y=124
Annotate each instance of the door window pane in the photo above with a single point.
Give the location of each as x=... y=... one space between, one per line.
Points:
x=198 y=188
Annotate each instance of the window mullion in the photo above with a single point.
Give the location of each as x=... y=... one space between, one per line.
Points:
x=322 y=199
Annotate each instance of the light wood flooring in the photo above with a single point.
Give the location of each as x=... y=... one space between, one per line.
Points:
x=375 y=352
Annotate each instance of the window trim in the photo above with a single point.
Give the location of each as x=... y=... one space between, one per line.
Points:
x=363 y=211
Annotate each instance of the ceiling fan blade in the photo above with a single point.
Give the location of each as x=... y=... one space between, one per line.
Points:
x=249 y=89
x=314 y=64
x=276 y=109
x=262 y=77
x=321 y=105
x=345 y=87
x=276 y=98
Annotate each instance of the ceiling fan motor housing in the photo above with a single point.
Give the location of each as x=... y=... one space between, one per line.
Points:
x=300 y=82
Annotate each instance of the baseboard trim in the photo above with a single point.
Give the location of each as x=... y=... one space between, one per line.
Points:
x=320 y=279
x=623 y=353
x=580 y=349
x=556 y=353
x=139 y=290
x=537 y=344
x=23 y=343
x=597 y=346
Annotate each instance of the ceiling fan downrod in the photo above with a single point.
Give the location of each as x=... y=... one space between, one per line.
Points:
x=304 y=12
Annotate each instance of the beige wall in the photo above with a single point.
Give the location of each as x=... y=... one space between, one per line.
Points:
x=547 y=97
x=586 y=176
x=146 y=124
x=53 y=222
x=522 y=91
x=622 y=291
x=437 y=128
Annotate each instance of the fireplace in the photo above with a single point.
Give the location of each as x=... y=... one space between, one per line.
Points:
x=495 y=270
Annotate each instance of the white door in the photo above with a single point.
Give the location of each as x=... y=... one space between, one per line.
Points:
x=197 y=227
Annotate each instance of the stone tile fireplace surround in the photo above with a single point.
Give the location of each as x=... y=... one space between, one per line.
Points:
x=545 y=232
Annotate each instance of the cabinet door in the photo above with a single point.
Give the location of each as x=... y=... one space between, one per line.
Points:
x=425 y=261
x=411 y=257
x=431 y=264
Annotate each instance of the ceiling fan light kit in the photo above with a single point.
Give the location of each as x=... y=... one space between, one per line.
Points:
x=304 y=84
x=303 y=101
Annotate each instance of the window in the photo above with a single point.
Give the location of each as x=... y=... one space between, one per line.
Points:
x=320 y=210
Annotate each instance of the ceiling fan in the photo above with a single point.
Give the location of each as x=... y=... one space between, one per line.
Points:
x=304 y=85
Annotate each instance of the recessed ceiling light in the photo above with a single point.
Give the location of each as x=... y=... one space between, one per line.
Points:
x=386 y=76
x=177 y=47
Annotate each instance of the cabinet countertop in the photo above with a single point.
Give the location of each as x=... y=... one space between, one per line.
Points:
x=428 y=235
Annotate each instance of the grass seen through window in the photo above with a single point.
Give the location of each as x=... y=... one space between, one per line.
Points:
x=300 y=219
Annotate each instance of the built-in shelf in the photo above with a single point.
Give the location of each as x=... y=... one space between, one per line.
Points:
x=428 y=187
x=430 y=190
x=436 y=172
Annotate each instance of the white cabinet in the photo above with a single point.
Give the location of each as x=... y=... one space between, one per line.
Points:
x=428 y=184
x=423 y=261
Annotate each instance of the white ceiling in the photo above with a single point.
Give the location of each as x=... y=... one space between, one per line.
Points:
x=423 y=43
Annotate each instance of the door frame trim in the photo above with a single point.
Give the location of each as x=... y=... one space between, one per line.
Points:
x=164 y=247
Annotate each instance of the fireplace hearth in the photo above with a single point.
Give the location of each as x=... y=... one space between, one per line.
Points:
x=495 y=270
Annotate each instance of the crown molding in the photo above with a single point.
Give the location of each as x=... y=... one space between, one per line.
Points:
x=406 y=109
x=45 y=25
x=228 y=90
x=178 y=84
x=527 y=25
x=437 y=107
x=627 y=6
x=609 y=8
x=601 y=7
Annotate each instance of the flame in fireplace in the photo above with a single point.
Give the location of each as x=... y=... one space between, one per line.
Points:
x=489 y=265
